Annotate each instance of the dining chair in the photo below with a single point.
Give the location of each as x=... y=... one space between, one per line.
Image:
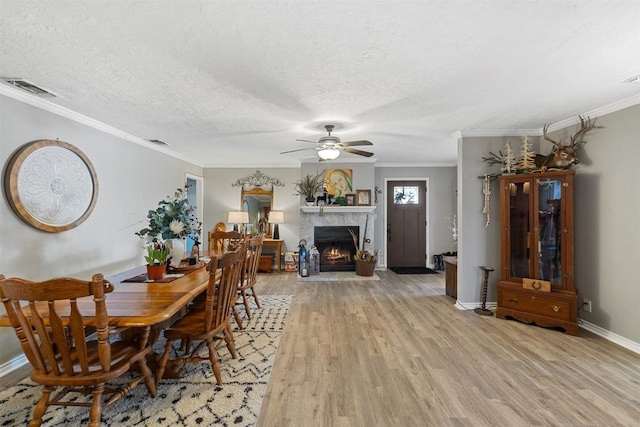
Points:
x=249 y=276
x=211 y=325
x=56 y=340
x=220 y=241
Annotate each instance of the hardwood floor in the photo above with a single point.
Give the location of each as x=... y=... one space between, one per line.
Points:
x=396 y=352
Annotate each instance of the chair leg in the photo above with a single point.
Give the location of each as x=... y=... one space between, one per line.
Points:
x=255 y=296
x=162 y=364
x=148 y=377
x=245 y=301
x=236 y=316
x=213 y=358
x=41 y=407
x=96 y=407
x=230 y=340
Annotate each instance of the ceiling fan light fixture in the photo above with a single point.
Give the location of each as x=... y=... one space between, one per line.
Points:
x=329 y=153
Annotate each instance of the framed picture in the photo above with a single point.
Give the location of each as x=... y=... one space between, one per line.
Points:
x=351 y=199
x=363 y=197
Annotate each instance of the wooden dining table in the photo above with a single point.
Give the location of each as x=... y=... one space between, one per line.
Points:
x=143 y=306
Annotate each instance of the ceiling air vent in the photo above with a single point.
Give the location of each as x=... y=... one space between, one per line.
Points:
x=157 y=141
x=28 y=87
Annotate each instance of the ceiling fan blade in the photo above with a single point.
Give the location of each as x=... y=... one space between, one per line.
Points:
x=306 y=140
x=354 y=143
x=299 y=149
x=358 y=152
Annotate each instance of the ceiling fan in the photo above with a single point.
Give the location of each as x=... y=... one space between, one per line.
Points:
x=329 y=147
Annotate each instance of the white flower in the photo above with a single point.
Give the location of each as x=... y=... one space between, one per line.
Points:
x=176 y=227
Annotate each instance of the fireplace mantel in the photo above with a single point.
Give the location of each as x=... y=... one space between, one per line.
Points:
x=338 y=209
x=361 y=216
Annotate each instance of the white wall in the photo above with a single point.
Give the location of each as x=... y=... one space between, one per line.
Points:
x=442 y=205
x=131 y=180
x=221 y=197
x=606 y=227
x=607 y=223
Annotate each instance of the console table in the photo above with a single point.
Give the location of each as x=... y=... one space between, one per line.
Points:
x=277 y=244
x=451 y=277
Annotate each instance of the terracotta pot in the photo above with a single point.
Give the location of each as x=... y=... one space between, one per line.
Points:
x=156 y=272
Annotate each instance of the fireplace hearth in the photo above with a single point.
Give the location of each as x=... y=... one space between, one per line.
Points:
x=335 y=244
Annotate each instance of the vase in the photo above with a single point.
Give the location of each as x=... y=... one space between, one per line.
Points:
x=176 y=249
x=156 y=272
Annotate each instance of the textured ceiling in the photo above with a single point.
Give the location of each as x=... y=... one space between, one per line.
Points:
x=234 y=83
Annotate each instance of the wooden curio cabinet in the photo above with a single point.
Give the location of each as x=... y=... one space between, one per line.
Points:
x=536 y=219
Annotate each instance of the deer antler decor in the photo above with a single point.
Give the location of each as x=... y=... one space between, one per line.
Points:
x=563 y=156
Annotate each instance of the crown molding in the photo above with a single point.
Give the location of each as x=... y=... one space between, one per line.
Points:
x=571 y=121
x=43 y=104
x=415 y=165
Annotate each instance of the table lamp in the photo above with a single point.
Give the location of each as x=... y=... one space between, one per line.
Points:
x=275 y=218
x=238 y=217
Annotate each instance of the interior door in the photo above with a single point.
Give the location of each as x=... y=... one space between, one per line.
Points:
x=406 y=223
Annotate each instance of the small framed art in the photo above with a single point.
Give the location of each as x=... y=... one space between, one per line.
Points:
x=363 y=197
x=351 y=199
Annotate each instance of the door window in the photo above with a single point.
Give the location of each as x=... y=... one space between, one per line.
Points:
x=406 y=195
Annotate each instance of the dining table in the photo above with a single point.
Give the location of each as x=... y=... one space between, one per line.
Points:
x=143 y=307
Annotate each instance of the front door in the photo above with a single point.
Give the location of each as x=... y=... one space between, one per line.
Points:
x=406 y=223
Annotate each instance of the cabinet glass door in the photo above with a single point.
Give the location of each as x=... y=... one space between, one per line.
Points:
x=519 y=229
x=549 y=230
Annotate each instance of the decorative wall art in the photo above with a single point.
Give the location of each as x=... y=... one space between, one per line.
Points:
x=258 y=179
x=339 y=182
x=51 y=185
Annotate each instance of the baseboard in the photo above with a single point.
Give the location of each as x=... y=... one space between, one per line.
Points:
x=13 y=364
x=610 y=336
x=471 y=305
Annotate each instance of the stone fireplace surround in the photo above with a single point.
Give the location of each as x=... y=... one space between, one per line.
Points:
x=340 y=215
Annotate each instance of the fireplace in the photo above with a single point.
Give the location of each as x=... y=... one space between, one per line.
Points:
x=335 y=244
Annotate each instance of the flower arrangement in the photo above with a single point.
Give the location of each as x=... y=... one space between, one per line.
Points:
x=309 y=185
x=172 y=219
x=157 y=254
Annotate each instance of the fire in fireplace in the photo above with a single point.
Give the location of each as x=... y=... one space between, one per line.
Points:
x=335 y=244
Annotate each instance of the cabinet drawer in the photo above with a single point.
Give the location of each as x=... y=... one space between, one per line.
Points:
x=535 y=303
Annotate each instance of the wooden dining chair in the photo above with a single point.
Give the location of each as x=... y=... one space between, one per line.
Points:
x=53 y=333
x=249 y=276
x=209 y=326
x=219 y=241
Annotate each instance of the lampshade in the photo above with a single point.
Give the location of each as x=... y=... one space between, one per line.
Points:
x=276 y=217
x=329 y=153
x=238 y=217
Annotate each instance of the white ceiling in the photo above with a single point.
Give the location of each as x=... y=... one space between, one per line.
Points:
x=234 y=83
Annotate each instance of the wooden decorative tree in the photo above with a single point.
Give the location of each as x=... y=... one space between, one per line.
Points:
x=527 y=161
x=509 y=159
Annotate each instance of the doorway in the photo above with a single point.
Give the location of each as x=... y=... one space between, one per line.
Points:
x=407 y=229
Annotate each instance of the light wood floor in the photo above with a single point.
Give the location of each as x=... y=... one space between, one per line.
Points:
x=396 y=352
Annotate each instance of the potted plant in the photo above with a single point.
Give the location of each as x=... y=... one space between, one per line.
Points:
x=171 y=222
x=309 y=185
x=157 y=254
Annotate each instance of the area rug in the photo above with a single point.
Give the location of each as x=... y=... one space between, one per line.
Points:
x=412 y=270
x=192 y=400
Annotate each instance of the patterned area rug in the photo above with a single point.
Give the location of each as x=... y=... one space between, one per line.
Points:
x=192 y=400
